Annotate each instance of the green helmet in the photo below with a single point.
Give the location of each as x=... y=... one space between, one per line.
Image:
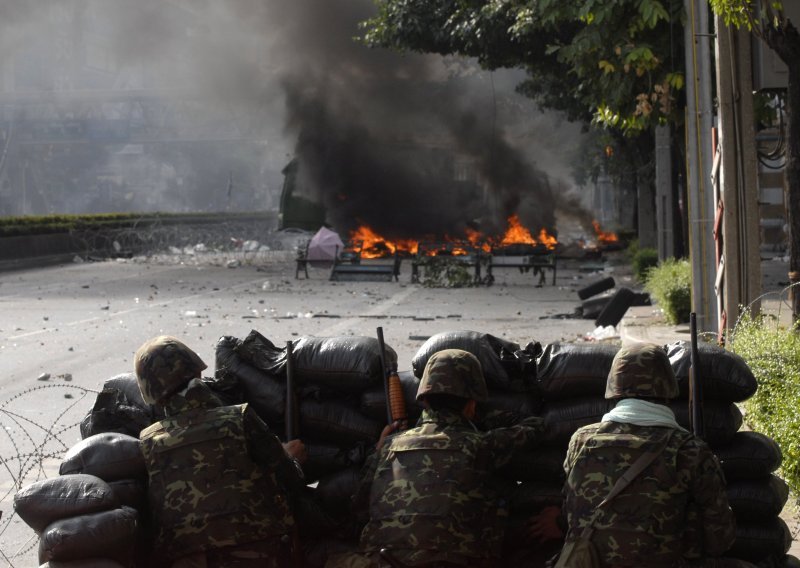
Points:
x=641 y=371
x=163 y=366
x=454 y=372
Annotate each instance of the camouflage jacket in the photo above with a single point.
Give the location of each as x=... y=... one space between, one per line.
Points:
x=217 y=476
x=645 y=525
x=430 y=495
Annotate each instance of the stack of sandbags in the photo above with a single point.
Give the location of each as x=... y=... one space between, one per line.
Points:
x=749 y=459
x=756 y=495
x=93 y=512
x=572 y=379
x=79 y=520
x=340 y=407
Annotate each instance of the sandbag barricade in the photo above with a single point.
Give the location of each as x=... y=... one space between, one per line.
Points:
x=571 y=380
x=342 y=409
x=96 y=510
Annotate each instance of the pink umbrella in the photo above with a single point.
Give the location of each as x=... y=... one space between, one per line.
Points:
x=323 y=246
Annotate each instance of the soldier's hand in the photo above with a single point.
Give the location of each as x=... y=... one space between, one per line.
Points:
x=544 y=526
x=296 y=450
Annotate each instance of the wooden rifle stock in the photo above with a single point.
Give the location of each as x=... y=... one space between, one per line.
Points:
x=395 y=401
x=695 y=389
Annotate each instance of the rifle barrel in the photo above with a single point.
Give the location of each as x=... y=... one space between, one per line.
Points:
x=290 y=418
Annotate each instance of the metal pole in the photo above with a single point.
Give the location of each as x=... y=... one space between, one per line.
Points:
x=699 y=163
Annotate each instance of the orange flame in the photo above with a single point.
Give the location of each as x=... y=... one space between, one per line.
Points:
x=518 y=234
x=604 y=237
x=376 y=246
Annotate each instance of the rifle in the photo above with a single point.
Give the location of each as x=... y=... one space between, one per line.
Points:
x=291 y=427
x=695 y=389
x=290 y=420
x=395 y=402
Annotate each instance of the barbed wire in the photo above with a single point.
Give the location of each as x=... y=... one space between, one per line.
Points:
x=248 y=241
x=32 y=444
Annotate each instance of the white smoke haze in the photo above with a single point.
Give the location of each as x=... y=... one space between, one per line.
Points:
x=409 y=144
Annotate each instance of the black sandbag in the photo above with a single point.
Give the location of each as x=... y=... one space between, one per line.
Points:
x=505 y=365
x=50 y=500
x=721 y=420
x=265 y=393
x=108 y=534
x=344 y=364
x=119 y=407
x=568 y=370
x=325 y=459
x=84 y=563
x=109 y=456
x=372 y=402
x=755 y=499
x=522 y=404
x=592 y=307
x=596 y=287
x=131 y=493
x=749 y=455
x=533 y=496
x=262 y=354
x=615 y=309
x=790 y=561
x=337 y=423
x=759 y=540
x=724 y=375
x=543 y=464
x=563 y=418
x=335 y=491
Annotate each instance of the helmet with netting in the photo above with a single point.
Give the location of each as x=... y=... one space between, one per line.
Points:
x=163 y=366
x=453 y=372
x=641 y=371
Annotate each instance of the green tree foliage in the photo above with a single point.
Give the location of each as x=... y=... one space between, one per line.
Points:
x=616 y=62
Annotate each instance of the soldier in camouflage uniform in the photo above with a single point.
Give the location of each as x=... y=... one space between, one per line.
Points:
x=427 y=489
x=645 y=525
x=218 y=478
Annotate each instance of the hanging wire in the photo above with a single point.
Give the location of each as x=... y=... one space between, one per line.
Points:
x=778 y=152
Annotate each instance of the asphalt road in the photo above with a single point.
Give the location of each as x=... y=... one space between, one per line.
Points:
x=66 y=329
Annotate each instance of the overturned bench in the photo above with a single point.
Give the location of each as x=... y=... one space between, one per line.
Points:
x=377 y=270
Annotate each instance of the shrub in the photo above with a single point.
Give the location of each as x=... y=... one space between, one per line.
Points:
x=644 y=259
x=446 y=272
x=670 y=283
x=773 y=355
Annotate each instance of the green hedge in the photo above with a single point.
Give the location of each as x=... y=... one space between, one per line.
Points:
x=773 y=354
x=670 y=284
x=44 y=224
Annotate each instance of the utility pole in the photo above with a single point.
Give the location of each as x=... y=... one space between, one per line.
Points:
x=740 y=280
x=699 y=164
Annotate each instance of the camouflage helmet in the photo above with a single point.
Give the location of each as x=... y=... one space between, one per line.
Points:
x=163 y=365
x=641 y=371
x=454 y=372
